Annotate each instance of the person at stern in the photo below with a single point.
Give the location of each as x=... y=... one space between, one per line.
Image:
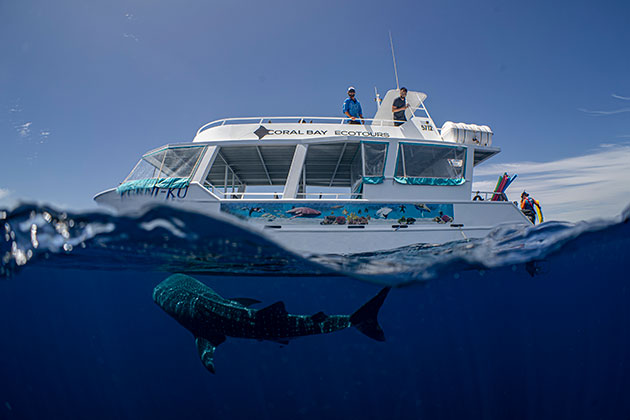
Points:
x=531 y=208
x=352 y=108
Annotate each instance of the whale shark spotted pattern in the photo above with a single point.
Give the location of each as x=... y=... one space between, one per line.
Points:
x=211 y=318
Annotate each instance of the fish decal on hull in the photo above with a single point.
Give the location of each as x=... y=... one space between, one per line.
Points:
x=304 y=212
x=211 y=318
x=422 y=207
x=383 y=212
x=252 y=210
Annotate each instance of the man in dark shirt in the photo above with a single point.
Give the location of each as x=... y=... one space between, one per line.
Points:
x=399 y=107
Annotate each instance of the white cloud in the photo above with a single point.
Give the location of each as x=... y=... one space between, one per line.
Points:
x=24 y=129
x=577 y=188
x=43 y=136
x=602 y=113
x=131 y=36
x=612 y=112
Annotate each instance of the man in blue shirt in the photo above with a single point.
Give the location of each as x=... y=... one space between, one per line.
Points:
x=352 y=108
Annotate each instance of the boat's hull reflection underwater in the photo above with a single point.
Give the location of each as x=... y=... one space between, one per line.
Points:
x=211 y=318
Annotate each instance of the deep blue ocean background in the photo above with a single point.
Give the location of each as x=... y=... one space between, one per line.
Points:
x=524 y=324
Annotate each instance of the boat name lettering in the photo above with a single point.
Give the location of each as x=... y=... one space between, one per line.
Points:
x=298 y=132
x=426 y=127
x=169 y=193
x=361 y=133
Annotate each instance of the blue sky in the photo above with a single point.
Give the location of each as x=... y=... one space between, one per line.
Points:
x=86 y=87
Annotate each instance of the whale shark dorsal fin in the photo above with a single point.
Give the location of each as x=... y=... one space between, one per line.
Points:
x=319 y=317
x=206 y=347
x=272 y=311
x=246 y=302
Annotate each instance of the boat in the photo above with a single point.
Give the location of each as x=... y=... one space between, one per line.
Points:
x=319 y=185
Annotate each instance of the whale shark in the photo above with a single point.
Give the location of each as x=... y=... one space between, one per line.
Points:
x=211 y=318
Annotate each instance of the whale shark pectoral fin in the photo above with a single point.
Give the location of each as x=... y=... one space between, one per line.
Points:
x=246 y=302
x=206 y=353
x=276 y=310
x=206 y=347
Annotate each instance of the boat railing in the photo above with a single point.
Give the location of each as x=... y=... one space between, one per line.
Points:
x=329 y=196
x=488 y=195
x=225 y=194
x=292 y=120
x=278 y=195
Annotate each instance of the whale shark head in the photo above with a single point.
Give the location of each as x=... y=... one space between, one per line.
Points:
x=177 y=296
x=179 y=286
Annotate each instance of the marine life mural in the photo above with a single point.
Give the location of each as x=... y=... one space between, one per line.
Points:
x=344 y=213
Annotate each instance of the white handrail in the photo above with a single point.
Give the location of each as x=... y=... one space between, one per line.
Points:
x=294 y=120
x=279 y=195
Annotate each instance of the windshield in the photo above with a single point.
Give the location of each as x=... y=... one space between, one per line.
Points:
x=168 y=162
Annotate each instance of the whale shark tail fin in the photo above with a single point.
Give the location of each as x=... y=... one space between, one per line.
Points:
x=365 y=319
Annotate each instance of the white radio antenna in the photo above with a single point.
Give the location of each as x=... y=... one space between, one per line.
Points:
x=394 y=57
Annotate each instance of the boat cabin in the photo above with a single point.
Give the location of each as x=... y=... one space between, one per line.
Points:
x=315 y=158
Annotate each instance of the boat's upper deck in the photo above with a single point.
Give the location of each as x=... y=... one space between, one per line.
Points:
x=291 y=157
x=305 y=127
x=419 y=126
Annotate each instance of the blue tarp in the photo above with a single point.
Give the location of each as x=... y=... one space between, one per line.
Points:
x=141 y=184
x=373 y=179
x=429 y=181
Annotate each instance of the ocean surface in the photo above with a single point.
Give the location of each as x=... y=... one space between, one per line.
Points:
x=527 y=323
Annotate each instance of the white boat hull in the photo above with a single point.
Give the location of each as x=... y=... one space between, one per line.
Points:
x=336 y=226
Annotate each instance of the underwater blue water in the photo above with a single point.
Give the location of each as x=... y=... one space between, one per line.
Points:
x=524 y=324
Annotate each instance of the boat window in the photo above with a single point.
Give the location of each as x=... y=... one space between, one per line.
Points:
x=148 y=167
x=347 y=165
x=375 y=155
x=169 y=167
x=356 y=173
x=237 y=167
x=328 y=165
x=329 y=170
x=422 y=164
x=169 y=162
x=180 y=162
